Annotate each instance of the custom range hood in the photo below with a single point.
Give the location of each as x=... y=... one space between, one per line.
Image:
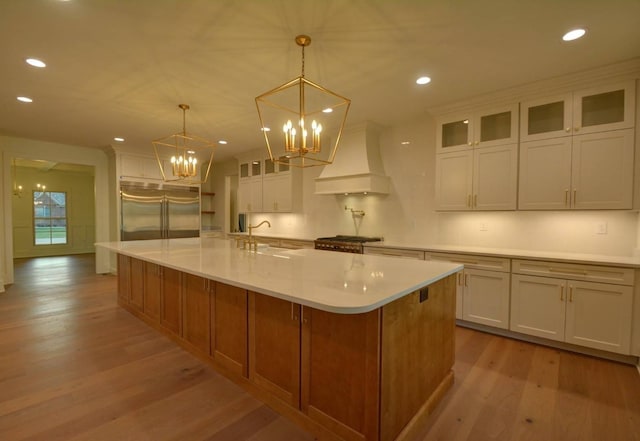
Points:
x=357 y=167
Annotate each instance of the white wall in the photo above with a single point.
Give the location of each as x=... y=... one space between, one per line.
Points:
x=406 y=216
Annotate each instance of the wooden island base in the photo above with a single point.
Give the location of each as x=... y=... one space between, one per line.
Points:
x=369 y=376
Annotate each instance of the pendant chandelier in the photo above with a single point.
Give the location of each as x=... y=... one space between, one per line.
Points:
x=181 y=156
x=300 y=118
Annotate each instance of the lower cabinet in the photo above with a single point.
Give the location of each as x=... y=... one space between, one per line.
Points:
x=136 y=294
x=171 y=301
x=124 y=278
x=595 y=315
x=229 y=327
x=152 y=290
x=485 y=298
x=341 y=371
x=196 y=327
x=482 y=290
x=274 y=346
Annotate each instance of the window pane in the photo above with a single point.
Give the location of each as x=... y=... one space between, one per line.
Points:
x=50 y=217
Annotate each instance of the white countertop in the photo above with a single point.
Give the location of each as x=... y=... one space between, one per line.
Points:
x=336 y=282
x=591 y=259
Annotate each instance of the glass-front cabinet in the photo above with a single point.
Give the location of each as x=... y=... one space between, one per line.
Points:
x=486 y=128
x=591 y=110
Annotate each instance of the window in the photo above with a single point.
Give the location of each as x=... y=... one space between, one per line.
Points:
x=49 y=217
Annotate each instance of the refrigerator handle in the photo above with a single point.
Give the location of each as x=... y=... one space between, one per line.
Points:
x=163 y=221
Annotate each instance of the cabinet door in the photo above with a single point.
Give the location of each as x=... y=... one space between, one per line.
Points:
x=546 y=118
x=495 y=178
x=538 y=306
x=602 y=172
x=229 y=327
x=256 y=194
x=196 y=328
x=454 y=180
x=152 y=287
x=496 y=126
x=604 y=108
x=136 y=295
x=171 y=301
x=341 y=371
x=276 y=192
x=486 y=298
x=545 y=174
x=124 y=278
x=454 y=133
x=274 y=346
x=599 y=316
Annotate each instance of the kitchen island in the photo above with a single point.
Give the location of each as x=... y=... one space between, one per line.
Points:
x=350 y=346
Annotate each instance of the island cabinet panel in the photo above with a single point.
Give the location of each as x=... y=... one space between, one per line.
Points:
x=196 y=310
x=136 y=294
x=414 y=328
x=171 y=301
x=274 y=346
x=341 y=371
x=152 y=288
x=229 y=327
x=124 y=278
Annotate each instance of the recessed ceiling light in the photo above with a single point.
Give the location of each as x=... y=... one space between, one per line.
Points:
x=265 y=129
x=423 y=80
x=405 y=142
x=328 y=110
x=35 y=62
x=25 y=99
x=118 y=139
x=222 y=141
x=573 y=34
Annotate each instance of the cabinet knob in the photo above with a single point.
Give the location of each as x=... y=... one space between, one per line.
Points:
x=576 y=128
x=470 y=143
x=477 y=142
x=568 y=129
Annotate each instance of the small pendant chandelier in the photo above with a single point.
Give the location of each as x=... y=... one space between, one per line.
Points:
x=181 y=156
x=300 y=117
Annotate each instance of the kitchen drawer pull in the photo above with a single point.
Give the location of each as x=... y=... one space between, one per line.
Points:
x=566 y=197
x=469 y=200
x=568 y=271
x=571 y=293
x=561 y=293
x=475 y=200
x=466 y=280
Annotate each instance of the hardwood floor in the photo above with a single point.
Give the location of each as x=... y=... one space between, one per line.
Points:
x=74 y=366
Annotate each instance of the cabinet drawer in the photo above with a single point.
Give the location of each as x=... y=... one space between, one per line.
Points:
x=473 y=261
x=593 y=273
x=395 y=252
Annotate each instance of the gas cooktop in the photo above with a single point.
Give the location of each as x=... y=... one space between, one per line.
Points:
x=354 y=239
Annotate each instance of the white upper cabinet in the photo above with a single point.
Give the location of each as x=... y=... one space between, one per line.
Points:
x=268 y=187
x=586 y=111
x=592 y=171
x=479 y=179
x=487 y=128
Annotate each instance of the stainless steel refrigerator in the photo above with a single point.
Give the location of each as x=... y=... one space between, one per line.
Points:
x=150 y=211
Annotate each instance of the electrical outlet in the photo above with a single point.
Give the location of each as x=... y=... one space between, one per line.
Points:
x=601 y=228
x=484 y=226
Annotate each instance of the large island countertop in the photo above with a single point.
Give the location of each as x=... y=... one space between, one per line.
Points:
x=335 y=282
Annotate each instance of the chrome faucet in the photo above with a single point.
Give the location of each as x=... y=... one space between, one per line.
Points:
x=252 y=240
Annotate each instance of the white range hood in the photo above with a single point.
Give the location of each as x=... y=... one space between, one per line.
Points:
x=357 y=167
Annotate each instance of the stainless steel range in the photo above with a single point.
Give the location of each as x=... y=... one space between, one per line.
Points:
x=344 y=244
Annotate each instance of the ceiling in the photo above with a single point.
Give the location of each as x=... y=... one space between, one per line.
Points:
x=121 y=67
